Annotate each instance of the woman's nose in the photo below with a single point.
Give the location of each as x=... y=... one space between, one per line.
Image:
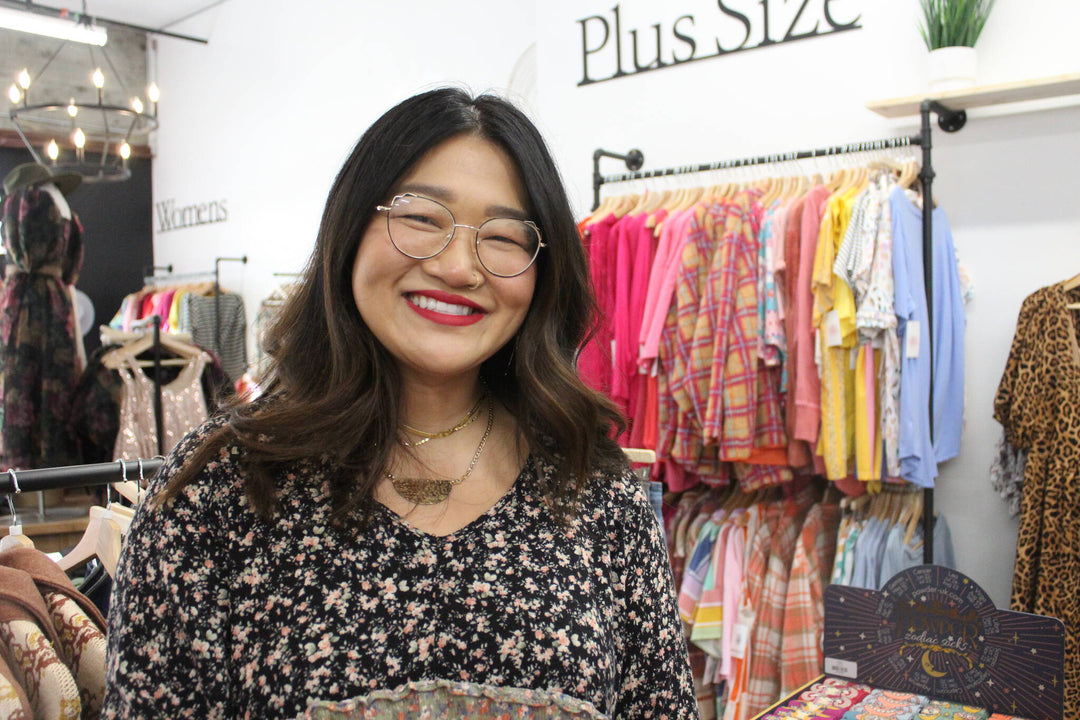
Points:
x=457 y=264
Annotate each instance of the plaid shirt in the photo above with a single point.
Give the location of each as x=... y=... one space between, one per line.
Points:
x=804 y=612
x=760 y=529
x=763 y=679
x=692 y=359
x=727 y=332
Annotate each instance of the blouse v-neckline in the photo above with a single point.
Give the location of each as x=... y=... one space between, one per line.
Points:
x=502 y=506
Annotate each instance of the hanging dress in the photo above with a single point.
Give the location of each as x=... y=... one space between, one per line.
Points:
x=1038 y=404
x=183 y=408
x=39 y=363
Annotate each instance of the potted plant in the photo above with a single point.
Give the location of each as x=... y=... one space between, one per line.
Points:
x=950 y=29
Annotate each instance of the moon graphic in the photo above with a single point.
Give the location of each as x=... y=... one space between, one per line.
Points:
x=928 y=667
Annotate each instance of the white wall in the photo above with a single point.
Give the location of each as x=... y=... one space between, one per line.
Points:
x=265 y=114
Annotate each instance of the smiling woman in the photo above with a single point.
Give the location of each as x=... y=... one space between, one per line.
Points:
x=427 y=498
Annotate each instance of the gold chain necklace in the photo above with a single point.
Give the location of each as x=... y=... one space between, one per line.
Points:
x=466 y=421
x=431 y=491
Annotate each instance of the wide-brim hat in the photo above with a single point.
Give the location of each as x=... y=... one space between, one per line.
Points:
x=27 y=174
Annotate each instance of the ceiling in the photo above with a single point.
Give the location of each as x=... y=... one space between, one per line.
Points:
x=190 y=18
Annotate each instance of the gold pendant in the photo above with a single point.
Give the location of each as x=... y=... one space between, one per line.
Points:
x=422 y=491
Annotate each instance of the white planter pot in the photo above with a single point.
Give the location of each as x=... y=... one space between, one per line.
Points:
x=952 y=68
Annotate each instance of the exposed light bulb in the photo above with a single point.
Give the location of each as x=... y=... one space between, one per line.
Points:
x=13 y=93
x=98 y=78
x=136 y=105
x=52 y=150
x=24 y=79
x=73 y=109
x=79 y=138
x=125 y=150
x=153 y=93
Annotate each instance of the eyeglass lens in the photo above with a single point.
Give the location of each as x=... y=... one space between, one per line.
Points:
x=421 y=228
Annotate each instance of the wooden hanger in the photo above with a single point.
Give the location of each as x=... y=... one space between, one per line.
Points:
x=15 y=537
x=97 y=532
x=914 y=518
x=129 y=351
x=640 y=455
x=908 y=174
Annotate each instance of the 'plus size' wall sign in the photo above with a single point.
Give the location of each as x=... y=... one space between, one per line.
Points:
x=732 y=26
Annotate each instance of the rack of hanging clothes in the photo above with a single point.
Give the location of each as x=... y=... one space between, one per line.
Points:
x=948 y=120
x=54 y=606
x=196 y=303
x=141 y=391
x=265 y=316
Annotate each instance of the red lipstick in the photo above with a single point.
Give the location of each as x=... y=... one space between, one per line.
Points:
x=446 y=318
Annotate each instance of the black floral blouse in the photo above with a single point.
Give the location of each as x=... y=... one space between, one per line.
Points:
x=218 y=614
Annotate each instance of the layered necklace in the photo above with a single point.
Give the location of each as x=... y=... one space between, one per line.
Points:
x=465 y=422
x=432 y=491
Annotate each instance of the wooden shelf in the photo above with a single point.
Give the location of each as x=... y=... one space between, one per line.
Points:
x=983 y=95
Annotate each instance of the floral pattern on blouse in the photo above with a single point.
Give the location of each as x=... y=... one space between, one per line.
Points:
x=217 y=613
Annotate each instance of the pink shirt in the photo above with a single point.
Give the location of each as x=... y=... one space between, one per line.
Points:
x=662 y=285
x=807 y=405
x=594 y=361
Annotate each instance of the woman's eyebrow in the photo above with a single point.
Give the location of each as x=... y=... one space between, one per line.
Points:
x=446 y=195
x=438 y=192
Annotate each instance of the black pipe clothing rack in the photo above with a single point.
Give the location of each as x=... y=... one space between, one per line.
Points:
x=148 y=277
x=14 y=482
x=948 y=120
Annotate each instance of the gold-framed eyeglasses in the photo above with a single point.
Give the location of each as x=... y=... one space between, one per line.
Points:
x=421 y=228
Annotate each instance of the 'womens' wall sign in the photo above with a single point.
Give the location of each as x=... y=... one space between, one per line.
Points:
x=179 y=217
x=611 y=47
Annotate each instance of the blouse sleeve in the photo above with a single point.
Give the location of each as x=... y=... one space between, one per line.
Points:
x=168 y=647
x=656 y=679
x=1017 y=403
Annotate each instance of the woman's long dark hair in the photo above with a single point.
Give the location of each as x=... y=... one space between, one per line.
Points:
x=333 y=390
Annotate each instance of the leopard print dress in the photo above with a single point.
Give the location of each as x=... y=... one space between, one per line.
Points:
x=1038 y=404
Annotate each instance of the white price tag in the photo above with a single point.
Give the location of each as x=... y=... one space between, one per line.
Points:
x=833 y=336
x=741 y=635
x=854 y=358
x=912 y=339
x=15 y=529
x=843 y=668
x=817 y=348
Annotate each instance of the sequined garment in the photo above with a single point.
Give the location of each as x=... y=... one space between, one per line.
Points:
x=183 y=408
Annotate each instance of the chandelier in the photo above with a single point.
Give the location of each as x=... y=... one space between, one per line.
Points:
x=87 y=135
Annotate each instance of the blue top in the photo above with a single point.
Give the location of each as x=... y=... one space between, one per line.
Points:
x=899 y=556
x=868 y=550
x=919 y=454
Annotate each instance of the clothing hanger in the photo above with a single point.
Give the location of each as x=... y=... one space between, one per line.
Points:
x=908 y=174
x=103 y=535
x=602 y=209
x=914 y=519
x=640 y=455
x=15 y=537
x=131 y=350
x=132 y=491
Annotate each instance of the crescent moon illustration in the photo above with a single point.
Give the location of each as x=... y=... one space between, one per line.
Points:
x=928 y=667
